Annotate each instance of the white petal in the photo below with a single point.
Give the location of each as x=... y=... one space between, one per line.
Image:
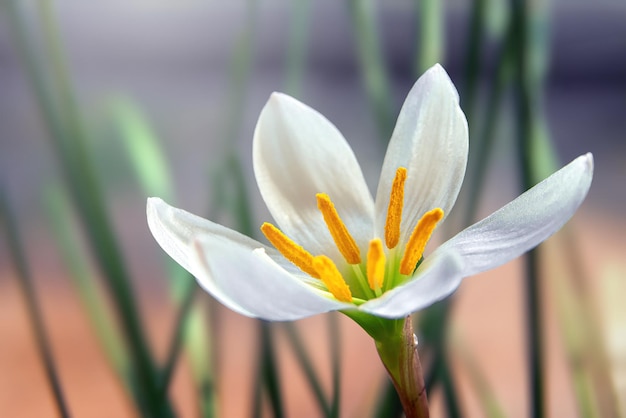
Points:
x=431 y=140
x=526 y=221
x=178 y=232
x=259 y=286
x=436 y=278
x=298 y=153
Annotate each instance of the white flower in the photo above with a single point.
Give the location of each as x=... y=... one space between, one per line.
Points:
x=337 y=248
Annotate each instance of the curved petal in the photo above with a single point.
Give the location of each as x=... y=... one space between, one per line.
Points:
x=175 y=230
x=298 y=153
x=181 y=234
x=259 y=287
x=526 y=221
x=431 y=140
x=436 y=278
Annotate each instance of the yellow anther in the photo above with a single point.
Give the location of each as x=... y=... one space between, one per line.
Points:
x=418 y=240
x=344 y=241
x=332 y=278
x=289 y=249
x=375 y=264
x=394 y=210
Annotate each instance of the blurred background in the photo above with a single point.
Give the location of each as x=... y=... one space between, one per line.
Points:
x=164 y=96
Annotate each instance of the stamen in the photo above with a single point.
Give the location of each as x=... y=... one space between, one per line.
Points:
x=418 y=240
x=328 y=273
x=289 y=249
x=344 y=241
x=394 y=210
x=375 y=264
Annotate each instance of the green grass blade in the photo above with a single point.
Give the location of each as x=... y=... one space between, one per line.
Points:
x=34 y=311
x=294 y=339
x=487 y=398
x=388 y=404
x=296 y=49
x=61 y=115
x=82 y=277
x=475 y=38
x=431 y=34
x=526 y=119
x=180 y=327
x=484 y=142
x=269 y=369
x=334 y=335
x=377 y=85
x=150 y=166
x=142 y=148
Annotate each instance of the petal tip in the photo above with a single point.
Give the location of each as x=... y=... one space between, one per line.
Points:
x=437 y=77
x=152 y=201
x=437 y=68
x=277 y=98
x=588 y=157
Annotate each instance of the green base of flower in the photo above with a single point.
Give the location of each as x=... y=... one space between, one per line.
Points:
x=397 y=347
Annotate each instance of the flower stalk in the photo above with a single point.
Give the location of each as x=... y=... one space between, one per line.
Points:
x=400 y=357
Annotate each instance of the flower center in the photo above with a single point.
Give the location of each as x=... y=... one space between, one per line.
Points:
x=323 y=268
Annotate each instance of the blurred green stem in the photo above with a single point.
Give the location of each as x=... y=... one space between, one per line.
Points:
x=180 y=328
x=334 y=335
x=57 y=207
x=150 y=166
x=61 y=114
x=431 y=34
x=268 y=376
x=307 y=366
x=472 y=59
x=525 y=124
x=377 y=84
x=483 y=145
x=296 y=50
x=489 y=402
x=35 y=314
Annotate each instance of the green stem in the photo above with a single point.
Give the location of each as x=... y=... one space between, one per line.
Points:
x=431 y=34
x=398 y=353
x=388 y=405
x=61 y=113
x=472 y=59
x=334 y=334
x=82 y=277
x=36 y=316
x=180 y=327
x=449 y=392
x=296 y=50
x=377 y=84
x=483 y=146
x=525 y=122
x=307 y=366
x=268 y=373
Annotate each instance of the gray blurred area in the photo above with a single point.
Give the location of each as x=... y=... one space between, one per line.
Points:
x=173 y=59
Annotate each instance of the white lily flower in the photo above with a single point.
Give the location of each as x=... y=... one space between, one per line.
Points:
x=339 y=249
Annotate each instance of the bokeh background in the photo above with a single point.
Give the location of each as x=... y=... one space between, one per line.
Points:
x=194 y=75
